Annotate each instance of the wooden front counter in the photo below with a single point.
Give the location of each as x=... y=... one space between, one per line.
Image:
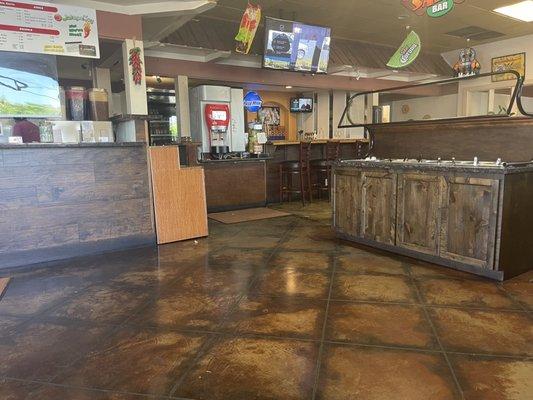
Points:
x=235 y=184
x=476 y=220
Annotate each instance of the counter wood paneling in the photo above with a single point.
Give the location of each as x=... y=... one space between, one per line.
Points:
x=235 y=184
x=60 y=201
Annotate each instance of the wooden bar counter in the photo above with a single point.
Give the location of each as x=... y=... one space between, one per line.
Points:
x=65 y=200
x=281 y=151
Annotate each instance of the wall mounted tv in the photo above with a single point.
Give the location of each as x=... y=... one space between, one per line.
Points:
x=29 y=86
x=302 y=105
x=292 y=46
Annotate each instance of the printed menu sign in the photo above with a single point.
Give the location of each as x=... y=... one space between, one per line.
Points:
x=37 y=27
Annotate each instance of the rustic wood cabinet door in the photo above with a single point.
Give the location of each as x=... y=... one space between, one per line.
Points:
x=418 y=218
x=347 y=202
x=378 y=207
x=469 y=220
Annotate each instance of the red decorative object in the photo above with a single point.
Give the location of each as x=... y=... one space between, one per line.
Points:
x=136 y=65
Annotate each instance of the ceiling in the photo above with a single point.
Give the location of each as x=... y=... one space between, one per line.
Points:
x=377 y=21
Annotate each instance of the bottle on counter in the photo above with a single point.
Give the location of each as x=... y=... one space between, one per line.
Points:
x=98 y=104
x=76 y=100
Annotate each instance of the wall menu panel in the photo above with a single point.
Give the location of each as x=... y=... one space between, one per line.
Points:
x=45 y=28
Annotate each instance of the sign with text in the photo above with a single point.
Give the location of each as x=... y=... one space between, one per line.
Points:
x=407 y=53
x=46 y=28
x=433 y=8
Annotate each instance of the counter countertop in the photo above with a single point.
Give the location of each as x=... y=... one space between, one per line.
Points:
x=318 y=141
x=491 y=168
x=68 y=145
x=235 y=160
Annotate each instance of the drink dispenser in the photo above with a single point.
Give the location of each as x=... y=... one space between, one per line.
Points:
x=217 y=118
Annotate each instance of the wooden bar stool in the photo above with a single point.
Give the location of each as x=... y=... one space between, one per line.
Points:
x=290 y=170
x=322 y=169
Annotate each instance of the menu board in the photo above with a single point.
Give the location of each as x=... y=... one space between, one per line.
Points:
x=45 y=28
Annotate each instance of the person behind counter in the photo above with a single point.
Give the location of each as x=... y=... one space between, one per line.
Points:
x=28 y=130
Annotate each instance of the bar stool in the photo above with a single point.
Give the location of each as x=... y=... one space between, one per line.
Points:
x=289 y=170
x=322 y=168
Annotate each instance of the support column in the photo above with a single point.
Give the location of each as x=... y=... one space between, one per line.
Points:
x=136 y=100
x=181 y=84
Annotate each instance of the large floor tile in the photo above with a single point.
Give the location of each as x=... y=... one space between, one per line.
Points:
x=259 y=369
x=217 y=280
x=238 y=258
x=306 y=260
x=350 y=373
x=386 y=288
x=522 y=291
x=379 y=324
x=369 y=263
x=109 y=304
x=135 y=361
x=281 y=316
x=15 y=390
x=40 y=350
x=312 y=238
x=421 y=270
x=294 y=282
x=27 y=296
x=176 y=309
x=483 y=378
x=465 y=293
x=9 y=325
x=484 y=332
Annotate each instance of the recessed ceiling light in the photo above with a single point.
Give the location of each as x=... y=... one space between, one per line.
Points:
x=522 y=11
x=288 y=87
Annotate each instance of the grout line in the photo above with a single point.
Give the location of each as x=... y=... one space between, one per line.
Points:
x=210 y=342
x=91 y=389
x=414 y=283
x=324 y=328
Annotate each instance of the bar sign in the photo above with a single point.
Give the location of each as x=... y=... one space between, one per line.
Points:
x=440 y=9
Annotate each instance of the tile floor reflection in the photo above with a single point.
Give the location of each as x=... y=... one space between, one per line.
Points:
x=273 y=309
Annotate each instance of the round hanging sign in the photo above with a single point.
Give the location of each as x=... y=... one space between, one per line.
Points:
x=252 y=101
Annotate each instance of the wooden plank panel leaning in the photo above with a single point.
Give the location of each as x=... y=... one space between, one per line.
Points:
x=179 y=197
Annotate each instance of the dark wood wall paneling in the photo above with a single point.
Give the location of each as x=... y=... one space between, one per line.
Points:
x=60 y=202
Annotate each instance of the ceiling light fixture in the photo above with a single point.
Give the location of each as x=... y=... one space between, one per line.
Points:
x=522 y=11
x=288 y=87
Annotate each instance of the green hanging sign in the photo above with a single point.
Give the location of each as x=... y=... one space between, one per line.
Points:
x=440 y=9
x=407 y=53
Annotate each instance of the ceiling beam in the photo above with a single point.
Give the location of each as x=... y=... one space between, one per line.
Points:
x=148 y=9
x=113 y=60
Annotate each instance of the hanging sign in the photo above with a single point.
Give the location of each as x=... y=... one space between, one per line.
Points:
x=433 y=8
x=407 y=53
x=47 y=28
x=253 y=102
x=249 y=23
x=440 y=9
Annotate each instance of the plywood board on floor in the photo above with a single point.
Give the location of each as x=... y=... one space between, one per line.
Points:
x=180 y=208
x=250 y=214
x=3 y=286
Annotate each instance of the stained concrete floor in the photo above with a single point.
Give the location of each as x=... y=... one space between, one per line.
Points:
x=275 y=309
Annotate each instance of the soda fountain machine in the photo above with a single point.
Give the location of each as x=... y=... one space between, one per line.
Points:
x=217 y=120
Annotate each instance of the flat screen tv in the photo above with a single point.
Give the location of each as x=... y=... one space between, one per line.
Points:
x=293 y=46
x=302 y=105
x=28 y=86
